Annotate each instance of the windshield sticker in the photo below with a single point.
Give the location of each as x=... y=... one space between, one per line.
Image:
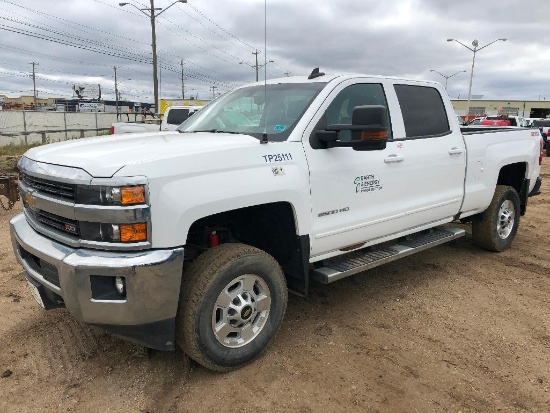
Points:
x=279 y=157
x=279 y=128
x=278 y=171
x=367 y=183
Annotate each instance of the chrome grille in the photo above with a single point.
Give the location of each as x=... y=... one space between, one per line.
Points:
x=65 y=225
x=58 y=189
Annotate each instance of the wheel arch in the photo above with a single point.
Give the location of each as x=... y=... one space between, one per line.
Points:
x=271 y=227
x=516 y=176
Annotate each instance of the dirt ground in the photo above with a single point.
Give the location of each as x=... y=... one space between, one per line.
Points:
x=451 y=329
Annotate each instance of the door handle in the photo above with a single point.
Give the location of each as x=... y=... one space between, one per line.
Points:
x=456 y=151
x=394 y=158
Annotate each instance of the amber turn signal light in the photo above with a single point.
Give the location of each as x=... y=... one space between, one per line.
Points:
x=132 y=195
x=374 y=135
x=133 y=232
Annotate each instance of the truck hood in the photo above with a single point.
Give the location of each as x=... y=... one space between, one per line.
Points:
x=102 y=157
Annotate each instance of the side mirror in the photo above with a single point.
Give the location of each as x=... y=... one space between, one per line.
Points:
x=369 y=130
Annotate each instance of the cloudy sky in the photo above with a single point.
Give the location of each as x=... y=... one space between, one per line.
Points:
x=79 y=41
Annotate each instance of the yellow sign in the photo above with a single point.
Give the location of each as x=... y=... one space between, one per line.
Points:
x=166 y=103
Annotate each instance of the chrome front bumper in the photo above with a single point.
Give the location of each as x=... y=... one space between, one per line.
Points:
x=152 y=279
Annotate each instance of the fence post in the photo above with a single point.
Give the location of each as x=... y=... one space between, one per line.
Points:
x=65 y=122
x=96 y=120
x=43 y=137
x=25 y=128
x=81 y=133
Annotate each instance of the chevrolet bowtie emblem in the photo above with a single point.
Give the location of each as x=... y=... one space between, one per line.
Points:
x=30 y=199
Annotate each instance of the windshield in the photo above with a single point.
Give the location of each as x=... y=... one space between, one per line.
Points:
x=247 y=111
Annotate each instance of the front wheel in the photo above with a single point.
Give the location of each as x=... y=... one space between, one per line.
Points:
x=232 y=304
x=499 y=223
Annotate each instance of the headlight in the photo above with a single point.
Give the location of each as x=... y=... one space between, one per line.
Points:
x=108 y=195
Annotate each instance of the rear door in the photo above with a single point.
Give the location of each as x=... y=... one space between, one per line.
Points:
x=434 y=155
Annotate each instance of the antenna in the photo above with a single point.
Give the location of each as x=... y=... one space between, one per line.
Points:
x=264 y=136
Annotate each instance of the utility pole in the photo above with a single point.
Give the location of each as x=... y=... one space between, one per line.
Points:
x=152 y=13
x=34 y=82
x=213 y=91
x=257 y=68
x=116 y=93
x=182 y=85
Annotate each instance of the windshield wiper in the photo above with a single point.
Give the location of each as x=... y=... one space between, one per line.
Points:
x=216 y=131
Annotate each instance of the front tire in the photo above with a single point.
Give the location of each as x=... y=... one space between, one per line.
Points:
x=499 y=223
x=232 y=304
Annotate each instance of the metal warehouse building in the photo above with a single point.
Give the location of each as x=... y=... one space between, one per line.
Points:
x=523 y=108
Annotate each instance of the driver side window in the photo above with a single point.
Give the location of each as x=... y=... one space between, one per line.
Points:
x=341 y=109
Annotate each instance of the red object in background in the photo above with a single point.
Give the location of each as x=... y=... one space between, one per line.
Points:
x=496 y=122
x=112 y=130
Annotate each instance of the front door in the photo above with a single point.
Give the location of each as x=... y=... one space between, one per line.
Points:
x=361 y=196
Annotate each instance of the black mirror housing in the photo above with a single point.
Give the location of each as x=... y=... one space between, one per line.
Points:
x=373 y=116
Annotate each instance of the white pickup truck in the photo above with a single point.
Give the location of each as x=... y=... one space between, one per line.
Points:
x=172 y=118
x=194 y=237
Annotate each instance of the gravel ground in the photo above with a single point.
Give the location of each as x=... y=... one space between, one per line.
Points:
x=450 y=329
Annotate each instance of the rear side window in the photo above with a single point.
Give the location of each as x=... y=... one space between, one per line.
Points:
x=423 y=111
x=177 y=116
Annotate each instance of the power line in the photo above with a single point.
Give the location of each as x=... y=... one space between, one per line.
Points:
x=212 y=31
x=218 y=26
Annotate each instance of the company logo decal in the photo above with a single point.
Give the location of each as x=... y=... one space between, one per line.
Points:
x=367 y=183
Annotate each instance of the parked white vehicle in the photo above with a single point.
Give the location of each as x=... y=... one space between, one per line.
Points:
x=172 y=118
x=259 y=193
x=528 y=122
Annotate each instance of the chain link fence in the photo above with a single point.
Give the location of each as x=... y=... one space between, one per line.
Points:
x=30 y=127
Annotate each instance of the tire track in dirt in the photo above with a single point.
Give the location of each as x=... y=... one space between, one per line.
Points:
x=58 y=347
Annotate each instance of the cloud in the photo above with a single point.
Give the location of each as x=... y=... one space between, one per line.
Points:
x=403 y=38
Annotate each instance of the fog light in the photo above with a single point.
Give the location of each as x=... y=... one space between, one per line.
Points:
x=120 y=285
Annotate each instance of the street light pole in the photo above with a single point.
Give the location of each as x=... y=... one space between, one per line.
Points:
x=150 y=13
x=447 y=77
x=475 y=44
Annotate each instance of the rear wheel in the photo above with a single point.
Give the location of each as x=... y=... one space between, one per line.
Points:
x=499 y=223
x=232 y=304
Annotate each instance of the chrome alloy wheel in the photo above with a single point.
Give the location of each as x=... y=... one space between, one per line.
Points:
x=241 y=311
x=506 y=218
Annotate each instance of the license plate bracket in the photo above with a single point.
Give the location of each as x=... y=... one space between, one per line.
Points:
x=35 y=292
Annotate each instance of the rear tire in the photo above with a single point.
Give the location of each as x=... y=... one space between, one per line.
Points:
x=499 y=223
x=232 y=304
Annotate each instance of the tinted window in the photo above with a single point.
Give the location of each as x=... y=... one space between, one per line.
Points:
x=341 y=108
x=423 y=111
x=177 y=116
